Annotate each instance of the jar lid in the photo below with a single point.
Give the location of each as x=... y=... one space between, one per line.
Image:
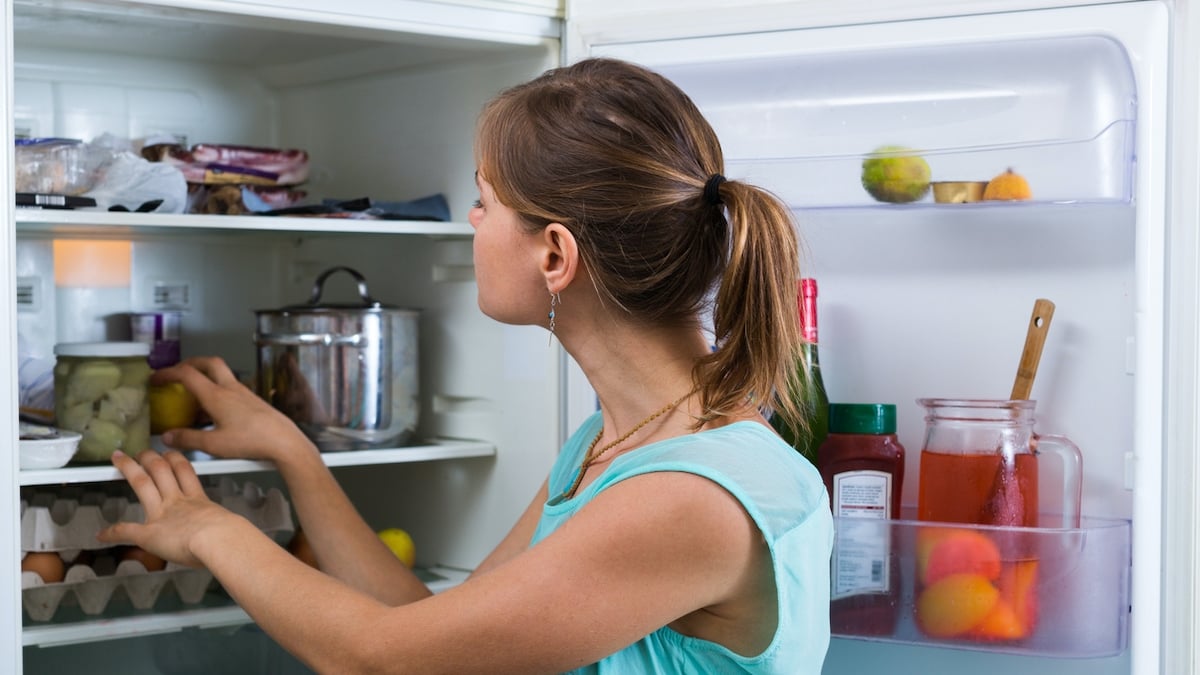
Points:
x=862 y=418
x=104 y=349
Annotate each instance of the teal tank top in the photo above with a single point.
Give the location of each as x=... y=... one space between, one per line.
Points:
x=784 y=495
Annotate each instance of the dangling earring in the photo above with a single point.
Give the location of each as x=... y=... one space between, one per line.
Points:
x=554 y=301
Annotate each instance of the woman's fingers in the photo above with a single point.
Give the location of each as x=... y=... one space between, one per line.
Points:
x=124 y=532
x=214 y=368
x=185 y=474
x=143 y=485
x=161 y=473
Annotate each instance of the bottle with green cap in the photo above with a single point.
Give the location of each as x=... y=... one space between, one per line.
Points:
x=862 y=464
x=862 y=461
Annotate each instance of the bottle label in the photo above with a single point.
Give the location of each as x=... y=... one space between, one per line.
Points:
x=861 y=552
x=862 y=494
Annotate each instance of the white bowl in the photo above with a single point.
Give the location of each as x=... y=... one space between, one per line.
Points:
x=46 y=447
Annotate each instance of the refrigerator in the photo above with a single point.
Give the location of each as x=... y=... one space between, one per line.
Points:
x=1096 y=104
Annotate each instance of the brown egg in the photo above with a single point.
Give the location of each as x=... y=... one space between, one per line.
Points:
x=46 y=564
x=300 y=548
x=151 y=562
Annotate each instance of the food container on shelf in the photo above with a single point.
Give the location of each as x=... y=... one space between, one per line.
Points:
x=59 y=166
x=345 y=373
x=100 y=392
x=42 y=447
x=160 y=330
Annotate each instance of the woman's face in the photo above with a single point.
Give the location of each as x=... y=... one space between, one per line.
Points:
x=511 y=286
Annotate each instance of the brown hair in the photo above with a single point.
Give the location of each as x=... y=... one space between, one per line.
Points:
x=620 y=156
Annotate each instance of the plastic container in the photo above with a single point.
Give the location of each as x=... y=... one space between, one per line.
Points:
x=161 y=331
x=862 y=464
x=1067 y=595
x=60 y=166
x=100 y=392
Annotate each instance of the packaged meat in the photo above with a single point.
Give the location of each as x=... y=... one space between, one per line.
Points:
x=215 y=164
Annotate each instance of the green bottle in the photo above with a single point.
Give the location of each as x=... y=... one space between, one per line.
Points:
x=812 y=397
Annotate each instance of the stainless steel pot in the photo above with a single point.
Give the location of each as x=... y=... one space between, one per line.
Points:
x=346 y=374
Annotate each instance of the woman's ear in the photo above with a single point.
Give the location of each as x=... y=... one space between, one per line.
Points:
x=560 y=257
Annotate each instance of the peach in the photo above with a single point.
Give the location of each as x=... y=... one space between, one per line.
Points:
x=953 y=605
x=1018 y=586
x=956 y=551
x=1002 y=623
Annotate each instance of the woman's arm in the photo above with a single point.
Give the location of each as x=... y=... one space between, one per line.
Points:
x=643 y=553
x=244 y=425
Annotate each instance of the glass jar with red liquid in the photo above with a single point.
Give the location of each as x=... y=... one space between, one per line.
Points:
x=862 y=463
x=979 y=466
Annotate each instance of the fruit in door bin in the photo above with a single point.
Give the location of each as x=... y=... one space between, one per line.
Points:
x=1008 y=186
x=896 y=174
x=953 y=605
x=999 y=625
x=172 y=406
x=944 y=551
x=400 y=544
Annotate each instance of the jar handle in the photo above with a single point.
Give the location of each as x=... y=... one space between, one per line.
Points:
x=1072 y=486
x=319 y=285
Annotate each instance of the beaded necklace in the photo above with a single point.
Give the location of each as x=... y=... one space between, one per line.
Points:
x=593 y=455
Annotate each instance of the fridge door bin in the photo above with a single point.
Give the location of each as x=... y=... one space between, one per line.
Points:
x=799 y=111
x=1059 y=592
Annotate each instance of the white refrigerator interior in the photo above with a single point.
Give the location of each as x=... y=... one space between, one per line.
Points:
x=928 y=299
x=383 y=97
x=916 y=300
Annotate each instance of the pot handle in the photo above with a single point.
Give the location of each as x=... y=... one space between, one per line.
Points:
x=319 y=285
x=309 y=339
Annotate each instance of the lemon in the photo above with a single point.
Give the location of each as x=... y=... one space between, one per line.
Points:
x=171 y=406
x=895 y=174
x=401 y=544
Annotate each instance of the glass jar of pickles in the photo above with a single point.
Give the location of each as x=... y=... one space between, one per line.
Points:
x=100 y=391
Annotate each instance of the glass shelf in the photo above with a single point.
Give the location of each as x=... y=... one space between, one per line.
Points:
x=84 y=222
x=205 y=465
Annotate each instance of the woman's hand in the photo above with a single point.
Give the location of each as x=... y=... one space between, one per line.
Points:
x=176 y=508
x=245 y=426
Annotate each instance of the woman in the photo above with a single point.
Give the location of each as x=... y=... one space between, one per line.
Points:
x=676 y=532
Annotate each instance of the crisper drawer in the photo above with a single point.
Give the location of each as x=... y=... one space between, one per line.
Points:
x=1062 y=592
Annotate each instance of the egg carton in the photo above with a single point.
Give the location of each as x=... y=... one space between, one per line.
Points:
x=68 y=523
x=92 y=586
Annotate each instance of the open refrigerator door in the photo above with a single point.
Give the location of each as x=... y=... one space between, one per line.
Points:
x=924 y=297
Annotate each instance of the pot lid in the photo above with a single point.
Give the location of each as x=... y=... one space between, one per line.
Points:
x=365 y=304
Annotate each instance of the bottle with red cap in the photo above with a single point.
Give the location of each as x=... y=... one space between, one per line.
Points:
x=811 y=397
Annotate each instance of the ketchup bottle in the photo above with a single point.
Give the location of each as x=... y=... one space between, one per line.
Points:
x=862 y=464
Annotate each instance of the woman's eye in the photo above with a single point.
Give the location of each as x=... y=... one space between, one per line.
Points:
x=477 y=204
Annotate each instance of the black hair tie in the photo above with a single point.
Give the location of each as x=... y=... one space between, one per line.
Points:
x=712 y=189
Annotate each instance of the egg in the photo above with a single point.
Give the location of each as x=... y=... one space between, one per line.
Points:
x=151 y=562
x=46 y=564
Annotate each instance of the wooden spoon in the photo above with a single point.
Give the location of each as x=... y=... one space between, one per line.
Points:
x=1035 y=339
x=1007 y=505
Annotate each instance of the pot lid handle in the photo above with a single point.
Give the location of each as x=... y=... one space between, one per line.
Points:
x=319 y=285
